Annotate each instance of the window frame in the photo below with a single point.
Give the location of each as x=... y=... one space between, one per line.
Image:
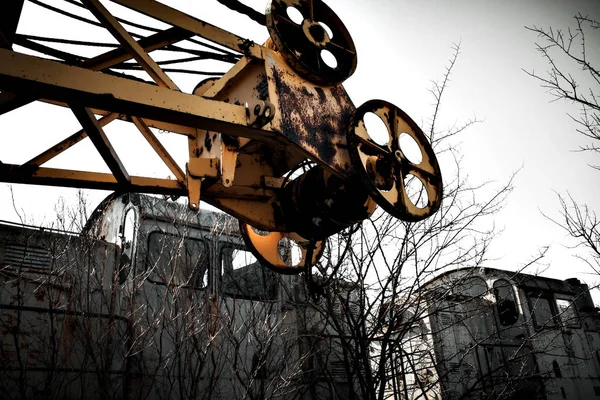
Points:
x=572 y=306
x=125 y=272
x=511 y=288
x=224 y=245
x=549 y=297
x=206 y=245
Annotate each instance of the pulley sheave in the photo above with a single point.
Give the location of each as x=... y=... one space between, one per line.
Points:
x=275 y=250
x=319 y=47
x=386 y=167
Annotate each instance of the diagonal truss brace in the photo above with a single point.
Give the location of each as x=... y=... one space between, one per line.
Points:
x=128 y=43
x=96 y=134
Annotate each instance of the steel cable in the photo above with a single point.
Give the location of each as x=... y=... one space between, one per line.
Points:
x=240 y=7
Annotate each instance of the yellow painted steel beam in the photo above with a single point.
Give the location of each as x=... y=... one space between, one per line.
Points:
x=94 y=131
x=129 y=43
x=65 y=144
x=56 y=81
x=159 y=149
x=150 y=43
x=174 y=17
x=163 y=126
x=91 y=180
x=9 y=101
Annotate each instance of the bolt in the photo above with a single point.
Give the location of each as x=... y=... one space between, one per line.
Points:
x=398 y=155
x=267 y=112
x=316 y=221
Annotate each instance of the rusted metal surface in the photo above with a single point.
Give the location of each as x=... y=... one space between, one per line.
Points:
x=278 y=108
x=385 y=167
x=268 y=246
x=312 y=116
x=302 y=44
x=319 y=203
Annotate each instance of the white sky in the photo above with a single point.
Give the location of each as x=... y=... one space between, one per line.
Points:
x=402 y=46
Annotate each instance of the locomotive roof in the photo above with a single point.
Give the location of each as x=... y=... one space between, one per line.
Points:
x=523 y=280
x=155 y=208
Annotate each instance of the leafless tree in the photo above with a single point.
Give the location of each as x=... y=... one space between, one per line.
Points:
x=350 y=333
x=369 y=311
x=573 y=76
x=81 y=317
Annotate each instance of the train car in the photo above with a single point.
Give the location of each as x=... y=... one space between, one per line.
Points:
x=151 y=301
x=492 y=334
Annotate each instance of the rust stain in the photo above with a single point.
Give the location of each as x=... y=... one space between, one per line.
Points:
x=208 y=142
x=262 y=88
x=314 y=117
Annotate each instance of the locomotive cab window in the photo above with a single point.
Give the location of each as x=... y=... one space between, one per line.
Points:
x=175 y=260
x=543 y=310
x=128 y=233
x=506 y=304
x=243 y=276
x=566 y=312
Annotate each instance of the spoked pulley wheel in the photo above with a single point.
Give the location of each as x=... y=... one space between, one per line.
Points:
x=315 y=42
x=282 y=252
x=398 y=165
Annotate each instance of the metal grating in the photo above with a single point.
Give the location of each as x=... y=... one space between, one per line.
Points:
x=337 y=368
x=446 y=319
x=26 y=256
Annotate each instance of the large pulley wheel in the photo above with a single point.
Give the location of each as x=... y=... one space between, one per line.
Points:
x=282 y=252
x=403 y=182
x=315 y=43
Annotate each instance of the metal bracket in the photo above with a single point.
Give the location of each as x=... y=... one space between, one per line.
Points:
x=203 y=167
x=259 y=113
x=197 y=169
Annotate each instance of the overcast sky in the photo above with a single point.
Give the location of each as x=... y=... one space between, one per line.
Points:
x=402 y=46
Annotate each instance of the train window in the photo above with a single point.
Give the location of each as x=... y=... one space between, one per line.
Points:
x=471 y=286
x=127 y=245
x=506 y=304
x=243 y=276
x=542 y=310
x=556 y=369
x=174 y=260
x=566 y=312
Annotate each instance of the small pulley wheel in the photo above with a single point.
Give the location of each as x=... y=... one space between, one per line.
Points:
x=282 y=252
x=315 y=42
x=397 y=163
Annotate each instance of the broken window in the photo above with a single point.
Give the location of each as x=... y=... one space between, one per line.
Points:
x=506 y=303
x=542 y=310
x=566 y=312
x=175 y=260
x=128 y=232
x=243 y=276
